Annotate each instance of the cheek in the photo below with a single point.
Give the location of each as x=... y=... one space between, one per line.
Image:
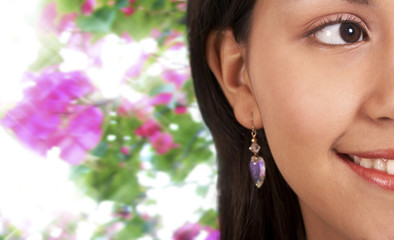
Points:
x=306 y=102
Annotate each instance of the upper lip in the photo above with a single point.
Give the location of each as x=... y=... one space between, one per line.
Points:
x=386 y=154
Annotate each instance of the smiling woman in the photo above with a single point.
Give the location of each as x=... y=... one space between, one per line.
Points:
x=315 y=77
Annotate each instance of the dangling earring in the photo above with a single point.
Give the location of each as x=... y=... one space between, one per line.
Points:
x=257 y=164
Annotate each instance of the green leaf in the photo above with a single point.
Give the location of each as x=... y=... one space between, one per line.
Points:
x=159 y=4
x=48 y=55
x=100 y=149
x=124 y=186
x=139 y=25
x=133 y=230
x=69 y=5
x=209 y=218
x=99 y=22
x=121 y=3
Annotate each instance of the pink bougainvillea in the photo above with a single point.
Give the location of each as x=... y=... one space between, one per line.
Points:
x=176 y=76
x=67 y=22
x=125 y=150
x=49 y=116
x=213 y=235
x=48 y=17
x=180 y=109
x=162 y=142
x=88 y=7
x=161 y=98
x=190 y=231
x=128 y=11
x=187 y=232
x=82 y=133
x=142 y=108
x=148 y=129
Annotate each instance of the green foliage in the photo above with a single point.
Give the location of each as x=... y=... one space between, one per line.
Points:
x=209 y=218
x=49 y=53
x=134 y=229
x=69 y=5
x=99 y=22
x=110 y=172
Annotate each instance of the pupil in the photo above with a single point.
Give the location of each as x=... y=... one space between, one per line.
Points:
x=350 y=32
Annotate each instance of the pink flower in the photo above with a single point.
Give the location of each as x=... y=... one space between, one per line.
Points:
x=128 y=11
x=32 y=126
x=127 y=37
x=161 y=99
x=155 y=33
x=213 y=235
x=48 y=17
x=187 y=232
x=67 y=22
x=136 y=69
x=148 y=129
x=181 y=103
x=181 y=6
x=48 y=116
x=180 y=109
x=162 y=142
x=124 y=107
x=176 y=76
x=54 y=89
x=125 y=150
x=173 y=38
x=82 y=133
x=142 y=108
x=88 y=7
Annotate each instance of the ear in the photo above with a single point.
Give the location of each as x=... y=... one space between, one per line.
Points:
x=226 y=58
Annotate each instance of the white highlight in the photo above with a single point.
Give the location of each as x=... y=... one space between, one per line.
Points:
x=18 y=46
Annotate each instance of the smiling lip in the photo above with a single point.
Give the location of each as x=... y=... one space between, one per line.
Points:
x=387 y=154
x=376 y=177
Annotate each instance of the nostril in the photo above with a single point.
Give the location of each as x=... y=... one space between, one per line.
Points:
x=385 y=119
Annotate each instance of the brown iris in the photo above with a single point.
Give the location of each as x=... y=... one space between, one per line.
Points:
x=350 y=32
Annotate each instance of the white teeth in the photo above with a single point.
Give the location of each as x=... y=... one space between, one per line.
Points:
x=380 y=165
x=390 y=167
x=366 y=163
x=357 y=160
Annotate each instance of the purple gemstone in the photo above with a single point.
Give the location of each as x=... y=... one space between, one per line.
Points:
x=254 y=148
x=257 y=170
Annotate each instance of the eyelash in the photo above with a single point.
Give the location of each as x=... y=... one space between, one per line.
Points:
x=327 y=21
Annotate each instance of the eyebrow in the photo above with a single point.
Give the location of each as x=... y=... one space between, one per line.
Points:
x=363 y=2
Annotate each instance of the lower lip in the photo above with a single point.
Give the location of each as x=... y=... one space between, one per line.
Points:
x=376 y=177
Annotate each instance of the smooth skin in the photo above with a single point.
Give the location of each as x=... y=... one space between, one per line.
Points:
x=315 y=99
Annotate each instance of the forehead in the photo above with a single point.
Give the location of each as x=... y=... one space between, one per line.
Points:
x=365 y=2
x=286 y=6
x=298 y=2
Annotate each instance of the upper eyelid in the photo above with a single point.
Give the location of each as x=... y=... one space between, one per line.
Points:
x=336 y=19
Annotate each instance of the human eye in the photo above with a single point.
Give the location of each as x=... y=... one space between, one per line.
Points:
x=340 y=31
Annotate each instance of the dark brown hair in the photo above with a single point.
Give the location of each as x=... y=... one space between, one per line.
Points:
x=245 y=212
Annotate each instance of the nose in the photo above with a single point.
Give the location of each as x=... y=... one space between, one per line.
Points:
x=379 y=105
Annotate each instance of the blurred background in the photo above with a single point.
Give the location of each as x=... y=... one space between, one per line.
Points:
x=101 y=137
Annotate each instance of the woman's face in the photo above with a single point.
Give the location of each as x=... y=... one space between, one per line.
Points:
x=322 y=74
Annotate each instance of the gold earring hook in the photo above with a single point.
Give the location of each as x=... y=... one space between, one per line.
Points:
x=254 y=133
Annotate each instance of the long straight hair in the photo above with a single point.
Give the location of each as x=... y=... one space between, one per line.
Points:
x=245 y=212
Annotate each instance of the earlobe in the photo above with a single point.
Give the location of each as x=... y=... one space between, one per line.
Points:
x=226 y=58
